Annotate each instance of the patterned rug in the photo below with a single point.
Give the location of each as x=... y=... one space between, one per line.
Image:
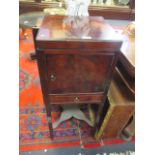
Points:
x=33 y=127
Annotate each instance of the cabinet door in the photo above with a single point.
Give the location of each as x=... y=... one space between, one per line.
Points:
x=78 y=73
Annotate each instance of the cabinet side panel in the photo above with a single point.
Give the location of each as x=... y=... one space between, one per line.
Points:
x=118 y=119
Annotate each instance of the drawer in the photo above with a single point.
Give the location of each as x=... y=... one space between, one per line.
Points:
x=76 y=98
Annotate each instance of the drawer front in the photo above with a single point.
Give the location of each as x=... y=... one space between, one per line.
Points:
x=77 y=73
x=75 y=98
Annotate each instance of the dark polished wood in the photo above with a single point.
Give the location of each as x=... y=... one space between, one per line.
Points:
x=33 y=55
x=127 y=55
x=126 y=63
x=76 y=98
x=93 y=68
x=111 y=13
x=77 y=29
x=126 y=78
x=106 y=12
x=76 y=57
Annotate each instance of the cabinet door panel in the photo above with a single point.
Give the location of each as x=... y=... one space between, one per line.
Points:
x=77 y=73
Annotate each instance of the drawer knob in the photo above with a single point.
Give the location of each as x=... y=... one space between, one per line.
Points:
x=76 y=100
x=53 y=78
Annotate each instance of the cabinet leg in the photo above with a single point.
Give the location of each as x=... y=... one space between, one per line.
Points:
x=99 y=113
x=49 y=118
x=50 y=127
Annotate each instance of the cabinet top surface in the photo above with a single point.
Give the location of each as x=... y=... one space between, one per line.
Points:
x=66 y=28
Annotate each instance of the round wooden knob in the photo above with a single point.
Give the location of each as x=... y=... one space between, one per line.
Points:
x=76 y=100
x=53 y=78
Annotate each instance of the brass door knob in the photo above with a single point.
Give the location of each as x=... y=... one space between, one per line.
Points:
x=76 y=99
x=53 y=78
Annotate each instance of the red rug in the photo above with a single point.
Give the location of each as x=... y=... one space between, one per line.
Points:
x=33 y=129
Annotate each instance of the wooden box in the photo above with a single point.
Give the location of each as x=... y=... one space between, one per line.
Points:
x=117 y=111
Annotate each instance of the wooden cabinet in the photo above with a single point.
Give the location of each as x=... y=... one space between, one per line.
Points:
x=76 y=68
x=124 y=12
